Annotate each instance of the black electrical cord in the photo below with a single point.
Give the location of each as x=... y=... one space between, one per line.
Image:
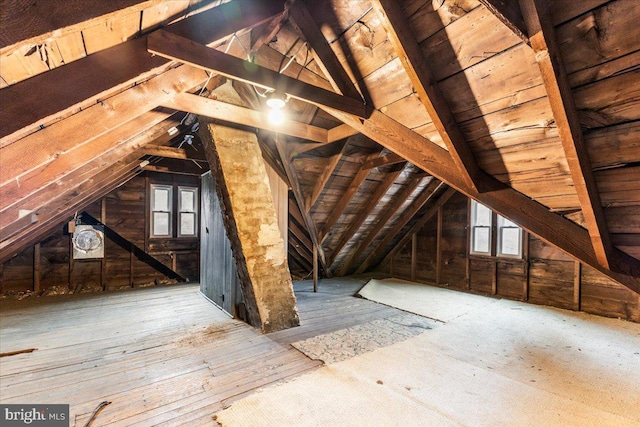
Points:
x=96 y=411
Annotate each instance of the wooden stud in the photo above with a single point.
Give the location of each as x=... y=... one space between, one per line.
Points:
x=439 y=246
x=525 y=258
x=414 y=255
x=577 y=285
x=340 y=132
x=494 y=276
x=315 y=269
x=36 y=268
x=467 y=258
x=70 y=281
x=184 y=50
x=549 y=58
x=103 y=261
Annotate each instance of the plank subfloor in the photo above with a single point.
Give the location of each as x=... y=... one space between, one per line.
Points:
x=161 y=356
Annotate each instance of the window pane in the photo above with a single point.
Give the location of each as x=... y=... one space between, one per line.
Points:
x=510 y=241
x=160 y=224
x=481 y=239
x=483 y=215
x=504 y=222
x=187 y=224
x=187 y=201
x=161 y=198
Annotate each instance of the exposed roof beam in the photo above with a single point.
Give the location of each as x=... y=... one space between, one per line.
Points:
x=270 y=31
x=322 y=52
x=181 y=49
x=98 y=76
x=508 y=12
x=340 y=132
x=388 y=159
x=419 y=224
x=337 y=210
x=529 y=214
x=389 y=211
x=68 y=144
x=299 y=196
x=167 y=152
x=554 y=75
x=406 y=47
x=244 y=116
x=364 y=212
x=324 y=177
x=406 y=216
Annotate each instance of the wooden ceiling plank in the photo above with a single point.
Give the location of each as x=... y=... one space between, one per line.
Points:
x=324 y=177
x=530 y=215
x=545 y=44
x=184 y=50
x=419 y=224
x=387 y=214
x=364 y=212
x=245 y=116
x=425 y=195
x=337 y=210
x=322 y=52
x=75 y=86
x=299 y=197
x=508 y=12
x=419 y=72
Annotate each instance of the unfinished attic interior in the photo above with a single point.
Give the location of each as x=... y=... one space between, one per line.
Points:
x=483 y=156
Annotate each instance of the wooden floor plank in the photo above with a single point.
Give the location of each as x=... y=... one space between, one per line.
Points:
x=164 y=355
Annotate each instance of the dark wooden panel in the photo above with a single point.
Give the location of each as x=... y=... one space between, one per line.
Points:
x=481 y=273
x=551 y=283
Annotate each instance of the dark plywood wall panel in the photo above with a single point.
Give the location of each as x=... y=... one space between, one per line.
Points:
x=544 y=276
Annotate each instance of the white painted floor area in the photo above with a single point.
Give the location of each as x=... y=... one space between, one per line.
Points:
x=493 y=363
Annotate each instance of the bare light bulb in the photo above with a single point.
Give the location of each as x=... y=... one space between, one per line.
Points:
x=276 y=116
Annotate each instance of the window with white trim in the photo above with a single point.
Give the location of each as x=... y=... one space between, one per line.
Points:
x=161 y=209
x=187 y=211
x=486 y=226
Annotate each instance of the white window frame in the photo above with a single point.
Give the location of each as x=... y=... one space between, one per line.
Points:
x=193 y=211
x=505 y=224
x=475 y=226
x=169 y=212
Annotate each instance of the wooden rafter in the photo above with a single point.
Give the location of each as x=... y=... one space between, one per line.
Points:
x=340 y=132
x=364 y=212
x=337 y=210
x=88 y=164
x=299 y=196
x=69 y=144
x=184 y=50
x=168 y=152
x=413 y=60
x=387 y=214
x=387 y=159
x=545 y=44
x=98 y=76
x=427 y=194
x=270 y=31
x=508 y=11
x=234 y=114
x=529 y=214
x=419 y=224
x=324 y=177
x=322 y=52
